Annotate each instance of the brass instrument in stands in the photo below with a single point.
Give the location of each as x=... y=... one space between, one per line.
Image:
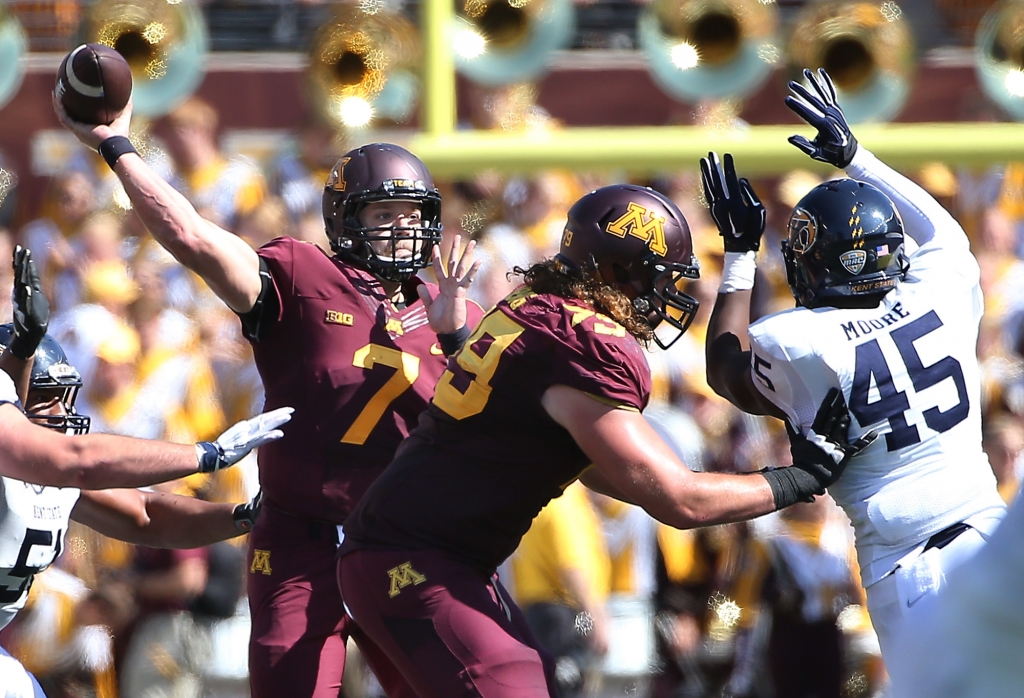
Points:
x=13 y=46
x=164 y=41
x=362 y=67
x=867 y=49
x=498 y=42
x=709 y=49
x=999 y=56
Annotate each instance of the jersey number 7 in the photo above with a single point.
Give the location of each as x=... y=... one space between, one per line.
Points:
x=892 y=404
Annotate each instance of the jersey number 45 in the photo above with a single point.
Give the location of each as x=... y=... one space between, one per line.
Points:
x=893 y=404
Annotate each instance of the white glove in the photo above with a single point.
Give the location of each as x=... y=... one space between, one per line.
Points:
x=233 y=445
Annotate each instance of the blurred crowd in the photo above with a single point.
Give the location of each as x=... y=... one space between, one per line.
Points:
x=769 y=608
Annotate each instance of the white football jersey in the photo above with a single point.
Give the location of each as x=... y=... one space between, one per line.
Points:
x=33 y=523
x=908 y=368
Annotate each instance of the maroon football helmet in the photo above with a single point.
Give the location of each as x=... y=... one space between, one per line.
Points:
x=637 y=240
x=380 y=172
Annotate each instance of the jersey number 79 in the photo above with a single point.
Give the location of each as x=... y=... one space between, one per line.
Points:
x=892 y=404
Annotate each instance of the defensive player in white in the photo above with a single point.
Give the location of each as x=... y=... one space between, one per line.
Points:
x=895 y=331
x=45 y=457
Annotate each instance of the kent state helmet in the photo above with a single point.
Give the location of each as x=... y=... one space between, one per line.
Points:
x=845 y=240
x=636 y=239
x=380 y=172
x=52 y=372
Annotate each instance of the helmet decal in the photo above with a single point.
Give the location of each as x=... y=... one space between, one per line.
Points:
x=803 y=231
x=643 y=223
x=336 y=180
x=853 y=260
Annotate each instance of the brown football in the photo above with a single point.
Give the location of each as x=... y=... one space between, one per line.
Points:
x=94 y=83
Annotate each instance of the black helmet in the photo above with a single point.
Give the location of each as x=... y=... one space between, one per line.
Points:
x=636 y=239
x=380 y=172
x=51 y=371
x=845 y=240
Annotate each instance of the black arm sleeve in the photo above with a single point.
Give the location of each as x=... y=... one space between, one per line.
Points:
x=256 y=323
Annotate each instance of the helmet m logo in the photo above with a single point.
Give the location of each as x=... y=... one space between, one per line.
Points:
x=402 y=576
x=803 y=231
x=337 y=179
x=641 y=223
x=853 y=260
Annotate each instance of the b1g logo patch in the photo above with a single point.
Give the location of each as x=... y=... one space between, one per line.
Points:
x=642 y=223
x=401 y=577
x=853 y=260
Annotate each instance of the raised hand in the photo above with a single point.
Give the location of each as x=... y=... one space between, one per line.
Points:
x=31 y=309
x=733 y=204
x=233 y=445
x=834 y=143
x=446 y=312
x=92 y=135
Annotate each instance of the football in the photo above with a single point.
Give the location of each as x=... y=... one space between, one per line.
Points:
x=94 y=83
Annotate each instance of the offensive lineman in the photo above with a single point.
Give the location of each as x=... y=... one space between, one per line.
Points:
x=45 y=457
x=895 y=332
x=354 y=341
x=552 y=381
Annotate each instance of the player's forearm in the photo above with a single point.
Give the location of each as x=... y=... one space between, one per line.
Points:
x=716 y=498
x=224 y=261
x=185 y=522
x=100 y=461
x=726 y=345
x=923 y=216
x=156 y=519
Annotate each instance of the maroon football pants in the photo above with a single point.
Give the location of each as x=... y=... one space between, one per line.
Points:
x=450 y=630
x=299 y=625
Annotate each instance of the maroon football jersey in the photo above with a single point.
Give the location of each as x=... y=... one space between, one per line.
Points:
x=486 y=457
x=357 y=370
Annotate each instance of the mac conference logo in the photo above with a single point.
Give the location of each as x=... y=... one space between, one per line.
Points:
x=853 y=260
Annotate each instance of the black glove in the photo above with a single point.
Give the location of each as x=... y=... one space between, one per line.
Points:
x=834 y=143
x=820 y=456
x=734 y=206
x=31 y=309
x=245 y=515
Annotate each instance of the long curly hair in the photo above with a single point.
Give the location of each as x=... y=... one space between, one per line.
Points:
x=548 y=277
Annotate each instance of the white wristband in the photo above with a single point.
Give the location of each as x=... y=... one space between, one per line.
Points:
x=738 y=272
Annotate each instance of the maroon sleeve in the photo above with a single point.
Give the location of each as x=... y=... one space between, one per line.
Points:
x=597 y=356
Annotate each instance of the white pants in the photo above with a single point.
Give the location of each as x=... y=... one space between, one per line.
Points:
x=968 y=641
x=15 y=680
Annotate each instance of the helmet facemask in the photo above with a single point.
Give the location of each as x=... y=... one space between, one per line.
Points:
x=665 y=296
x=60 y=384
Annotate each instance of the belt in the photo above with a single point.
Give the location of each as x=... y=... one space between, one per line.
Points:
x=946 y=536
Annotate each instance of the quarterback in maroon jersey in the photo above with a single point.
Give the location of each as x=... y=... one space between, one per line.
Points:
x=550 y=383
x=355 y=342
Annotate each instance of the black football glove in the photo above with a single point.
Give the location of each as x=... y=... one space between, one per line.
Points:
x=734 y=206
x=31 y=309
x=245 y=515
x=834 y=143
x=820 y=456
